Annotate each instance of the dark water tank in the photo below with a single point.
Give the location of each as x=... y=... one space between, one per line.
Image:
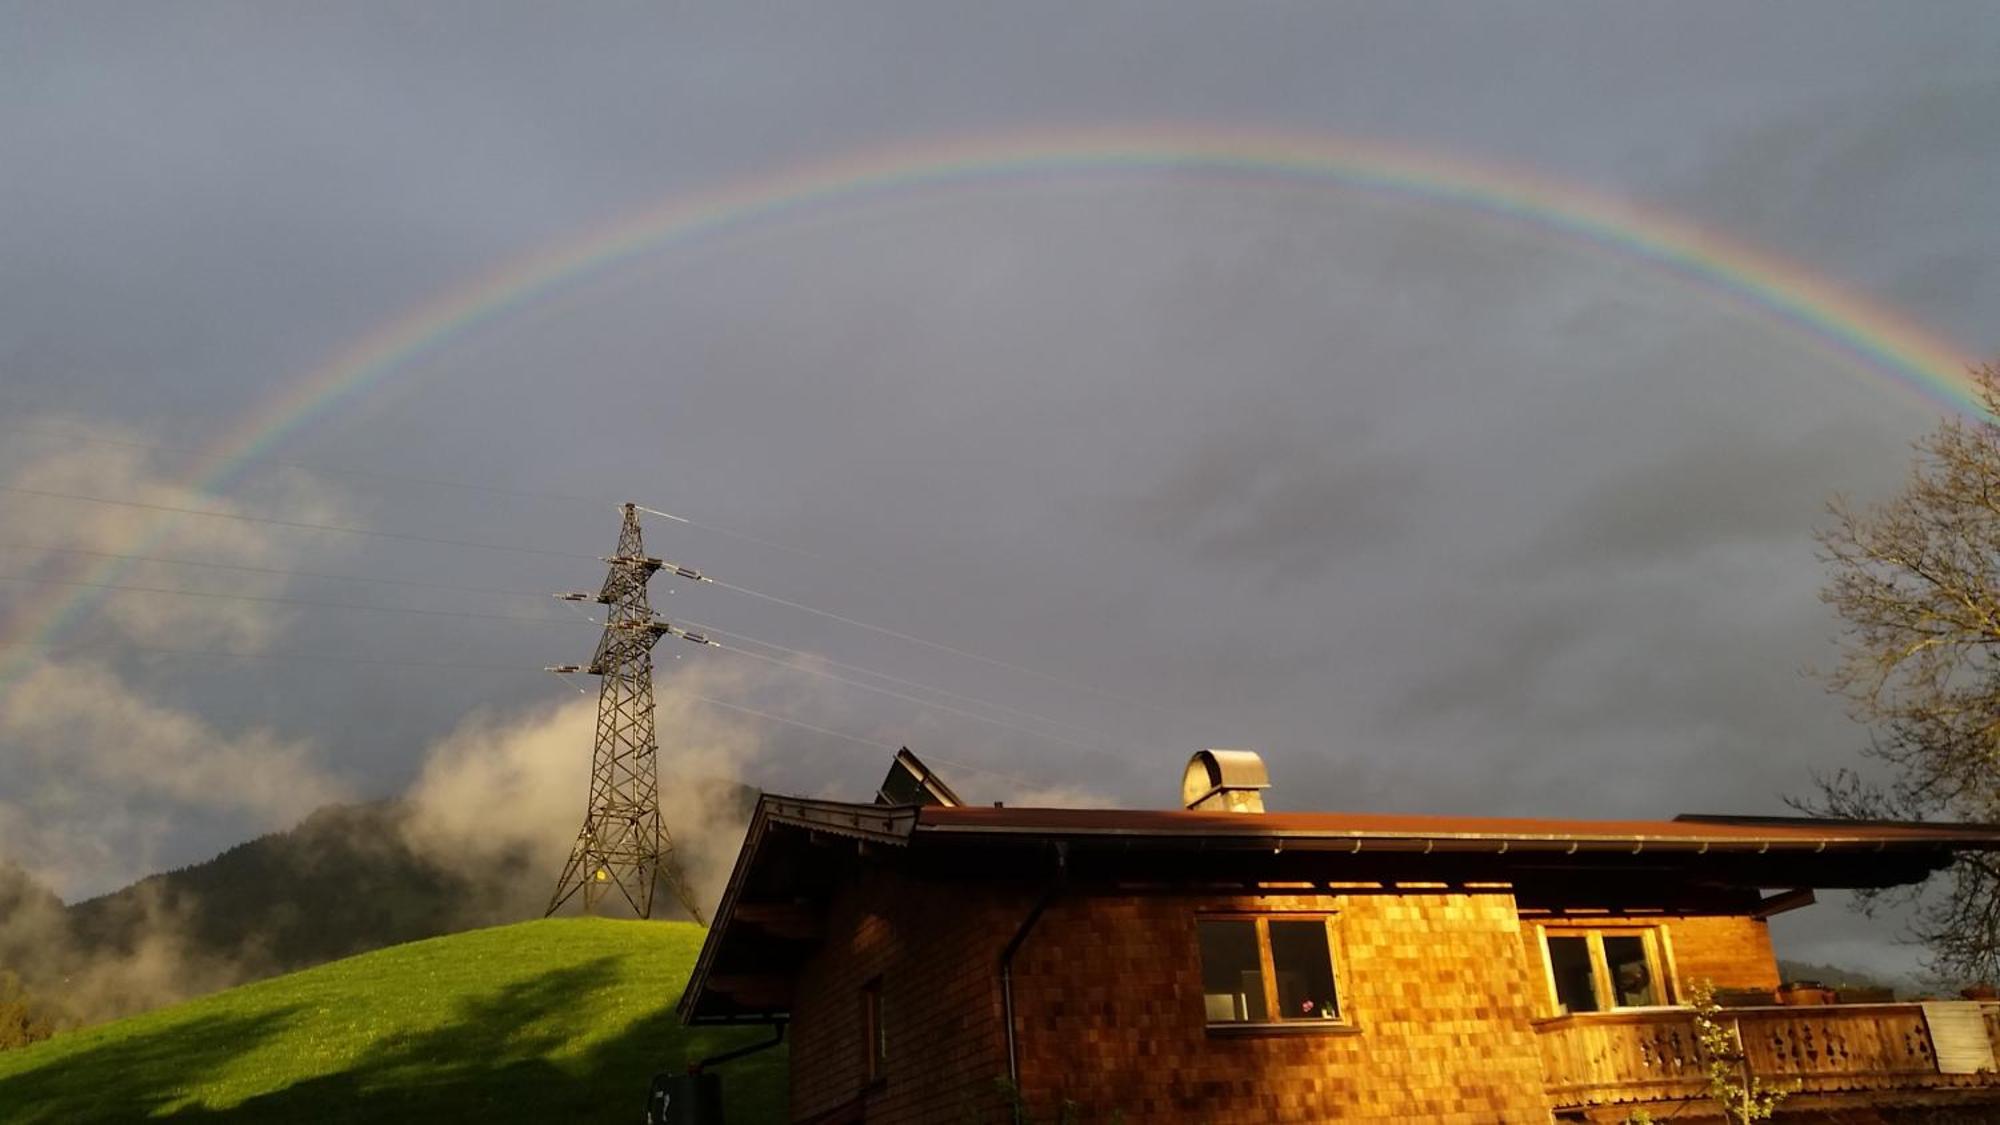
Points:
x=685 y=1099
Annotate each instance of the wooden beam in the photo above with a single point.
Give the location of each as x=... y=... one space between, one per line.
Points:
x=753 y=990
x=1783 y=901
x=789 y=921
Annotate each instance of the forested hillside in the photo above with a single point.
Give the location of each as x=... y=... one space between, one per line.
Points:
x=344 y=881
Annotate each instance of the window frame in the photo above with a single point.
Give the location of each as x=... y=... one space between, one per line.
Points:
x=1342 y=1020
x=1659 y=964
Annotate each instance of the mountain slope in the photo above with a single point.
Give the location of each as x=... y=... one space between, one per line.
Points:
x=345 y=880
x=562 y=1019
x=341 y=882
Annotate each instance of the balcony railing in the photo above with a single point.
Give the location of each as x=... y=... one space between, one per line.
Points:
x=1622 y=1058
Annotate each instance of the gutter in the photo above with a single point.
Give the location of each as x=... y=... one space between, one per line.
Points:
x=1007 y=965
x=1257 y=838
x=777 y=1037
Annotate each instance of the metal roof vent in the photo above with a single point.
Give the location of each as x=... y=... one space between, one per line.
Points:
x=1225 y=781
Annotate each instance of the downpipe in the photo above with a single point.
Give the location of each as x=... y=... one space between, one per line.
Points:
x=1049 y=892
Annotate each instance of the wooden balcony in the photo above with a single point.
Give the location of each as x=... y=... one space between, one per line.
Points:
x=1840 y=1055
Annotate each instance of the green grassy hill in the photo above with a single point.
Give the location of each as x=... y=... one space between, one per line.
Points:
x=564 y=1019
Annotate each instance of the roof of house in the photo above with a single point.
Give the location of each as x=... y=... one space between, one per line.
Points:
x=1688 y=831
x=798 y=849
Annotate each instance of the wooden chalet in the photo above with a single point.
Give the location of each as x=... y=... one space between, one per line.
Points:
x=1224 y=964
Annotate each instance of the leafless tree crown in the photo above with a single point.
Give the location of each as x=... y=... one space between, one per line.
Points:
x=1917 y=582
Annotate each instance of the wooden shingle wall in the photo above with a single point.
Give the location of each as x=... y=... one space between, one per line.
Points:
x=1435 y=985
x=935 y=947
x=1109 y=994
x=1733 y=952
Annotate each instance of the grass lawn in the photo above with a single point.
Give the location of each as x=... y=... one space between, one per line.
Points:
x=565 y=1019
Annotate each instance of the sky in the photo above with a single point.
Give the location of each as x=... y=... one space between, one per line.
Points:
x=1078 y=469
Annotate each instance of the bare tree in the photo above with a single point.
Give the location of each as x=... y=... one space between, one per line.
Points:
x=1917 y=581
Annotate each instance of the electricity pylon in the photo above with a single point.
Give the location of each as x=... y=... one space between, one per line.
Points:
x=622 y=844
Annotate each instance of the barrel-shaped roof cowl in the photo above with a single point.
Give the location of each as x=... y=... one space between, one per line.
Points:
x=1225 y=781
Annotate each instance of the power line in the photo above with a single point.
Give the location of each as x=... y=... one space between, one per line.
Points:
x=282 y=601
x=703 y=639
x=455 y=665
x=304 y=524
x=328 y=658
x=918 y=700
x=322 y=604
x=919 y=685
x=366 y=474
x=1076 y=685
x=1069 y=682
x=744 y=536
x=872 y=744
x=868 y=742
x=921 y=702
x=742 y=708
x=492 y=489
x=315 y=657
x=402 y=478
x=272 y=570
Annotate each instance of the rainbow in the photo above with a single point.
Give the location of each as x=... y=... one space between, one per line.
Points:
x=1864 y=334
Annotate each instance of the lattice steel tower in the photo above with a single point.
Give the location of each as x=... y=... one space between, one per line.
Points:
x=622 y=844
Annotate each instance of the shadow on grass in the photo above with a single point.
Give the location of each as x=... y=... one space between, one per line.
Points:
x=492 y=1063
x=133 y=1077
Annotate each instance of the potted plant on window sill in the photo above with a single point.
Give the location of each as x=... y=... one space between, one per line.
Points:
x=1802 y=992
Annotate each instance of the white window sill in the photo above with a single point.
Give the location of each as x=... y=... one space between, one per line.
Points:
x=1287 y=1027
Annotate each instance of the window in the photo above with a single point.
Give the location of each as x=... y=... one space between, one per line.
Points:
x=1569 y=962
x=874 y=1034
x=1598 y=970
x=1269 y=970
x=1232 y=973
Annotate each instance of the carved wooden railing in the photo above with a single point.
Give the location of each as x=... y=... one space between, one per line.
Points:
x=1654 y=1055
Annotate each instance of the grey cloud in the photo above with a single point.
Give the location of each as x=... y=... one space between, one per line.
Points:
x=1270 y=500
x=1732 y=486
x=1887 y=184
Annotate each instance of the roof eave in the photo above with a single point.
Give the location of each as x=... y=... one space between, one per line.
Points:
x=884 y=824
x=1252 y=836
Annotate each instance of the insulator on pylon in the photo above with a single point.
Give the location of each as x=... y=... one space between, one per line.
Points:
x=576 y=596
x=564 y=669
x=692 y=575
